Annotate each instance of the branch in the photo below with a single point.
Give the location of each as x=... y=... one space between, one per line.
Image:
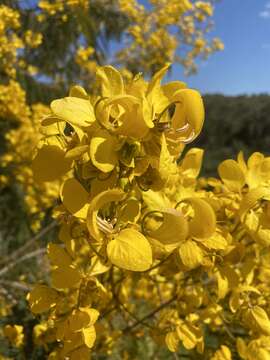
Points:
x=16 y=285
x=115 y=307
x=130 y=313
x=149 y=315
x=30 y=242
x=11 y=265
x=158 y=264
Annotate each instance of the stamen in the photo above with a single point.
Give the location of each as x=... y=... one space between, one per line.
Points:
x=183 y=128
x=179 y=130
x=104 y=226
x=189 y=139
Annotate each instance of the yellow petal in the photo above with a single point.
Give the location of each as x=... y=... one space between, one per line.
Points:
x=223 y=284
x=190 y=254
x=172 y=341
x=111 y=81
x=77 y=320
x=241 y=347
x=147 y=113
x=97 y=267
x=254 y=160
x=74 y=110
x=58 y=256
x=259 y=320
x=52 y=126
x=167 y=165
x=82 y=318
x=78 y=91
x=92 y=314
x=253 y=175
x=189 y=110
x=203 y=224
x=234 y=301
x=103 y=151
x=89 y=336
x=154 y=91
x=263 y=237
x=192 y=162
x=136 y=117
x=170 y=88
x=156 y=200
x=81 y=353
x=76 y=152
x=223 y=353
x=173 y=229
x=265 y=169
x=248 y=288
x=42 y=298
x=73 y=341
x=50 y=164
x=227 y=279
x=241 y=162
x=232 y=175
x=75 y=198
x=250 y=199
x=65 y=277
x=189 y=335
x=14 y=333
x=154 y=84
x=216 y=241
x=137 y=130
x=105 y=197
x=130 y=250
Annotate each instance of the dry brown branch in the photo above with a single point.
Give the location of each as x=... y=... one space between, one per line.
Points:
x=30 y=242
x=15 y=285
x=149 y=315
x=12 y=264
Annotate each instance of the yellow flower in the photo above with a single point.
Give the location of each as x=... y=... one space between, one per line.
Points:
x=15 y=334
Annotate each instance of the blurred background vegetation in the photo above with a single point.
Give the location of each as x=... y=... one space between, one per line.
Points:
x=47 y=46
x=234 y=123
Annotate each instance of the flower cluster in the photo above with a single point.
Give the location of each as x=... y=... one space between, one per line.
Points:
x=19 y=121
x=151 y=44
x=15 y=163
x=151 y=41
x=136 y=224
x=122 y=143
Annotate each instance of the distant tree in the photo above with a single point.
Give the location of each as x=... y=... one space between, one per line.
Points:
x=233 y=124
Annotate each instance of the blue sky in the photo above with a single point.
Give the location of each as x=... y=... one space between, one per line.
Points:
x=244 y=65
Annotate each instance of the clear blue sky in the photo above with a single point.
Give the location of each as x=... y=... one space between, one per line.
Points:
x=244 y=65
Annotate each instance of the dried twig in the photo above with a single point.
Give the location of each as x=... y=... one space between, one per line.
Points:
x=28 y=256
x=30 y=242
x=149 y=315
x=16 y=285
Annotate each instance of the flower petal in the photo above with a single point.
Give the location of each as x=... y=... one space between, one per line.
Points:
x=130 y=250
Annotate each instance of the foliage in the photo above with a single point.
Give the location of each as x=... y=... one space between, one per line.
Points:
x=234 y=123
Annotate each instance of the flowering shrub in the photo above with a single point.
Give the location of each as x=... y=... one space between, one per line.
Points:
x=149 y=44
x=45 y=46
x=20 y=120
x=139 y=229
